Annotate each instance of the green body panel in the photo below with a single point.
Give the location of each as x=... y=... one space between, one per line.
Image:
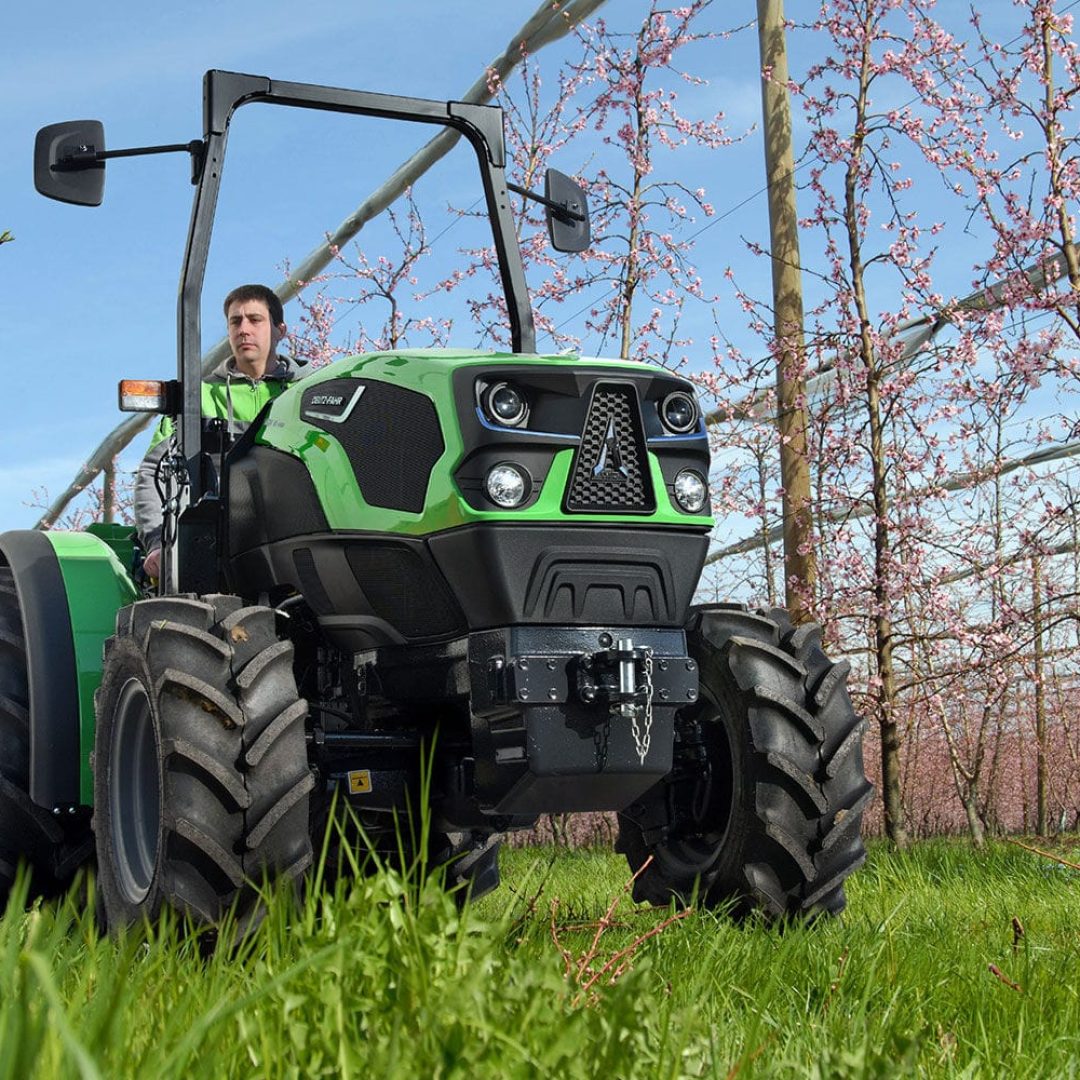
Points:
x=430 y=372
x=246 y=398
x=121 y=538
x=97 y=586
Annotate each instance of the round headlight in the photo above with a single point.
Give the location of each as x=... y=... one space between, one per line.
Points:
x=679 y=412
x=691 y=491
x=507 y=485
x=505 y=405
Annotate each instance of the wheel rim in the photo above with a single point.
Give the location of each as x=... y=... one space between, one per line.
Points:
x=695 y=847
x=135 y=792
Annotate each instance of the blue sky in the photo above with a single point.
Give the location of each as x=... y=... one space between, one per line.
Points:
x=88 y=296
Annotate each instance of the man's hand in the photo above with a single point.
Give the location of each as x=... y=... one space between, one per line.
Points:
x=152 y=563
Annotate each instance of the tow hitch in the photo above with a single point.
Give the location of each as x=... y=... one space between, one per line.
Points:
x=622 y=677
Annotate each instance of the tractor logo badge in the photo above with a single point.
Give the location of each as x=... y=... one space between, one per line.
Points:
x=328 y=406
x=609 y=465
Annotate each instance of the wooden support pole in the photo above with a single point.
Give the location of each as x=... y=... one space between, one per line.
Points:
x=800 y=564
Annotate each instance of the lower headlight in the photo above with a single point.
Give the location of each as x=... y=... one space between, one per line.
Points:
x=507 y=485
x=691 y=491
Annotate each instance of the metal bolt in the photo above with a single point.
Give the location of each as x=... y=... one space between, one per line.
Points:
x=551 y=665
x=691 y=695
x=606 y=640
x=662 y=664
x=523 y=694
x=690 y=665
x=553 y=694
x=665 y=694
x=523 y=664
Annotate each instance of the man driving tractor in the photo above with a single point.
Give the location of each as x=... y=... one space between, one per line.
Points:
x=234 y=391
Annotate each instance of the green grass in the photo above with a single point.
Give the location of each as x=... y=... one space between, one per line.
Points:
x=382 y=977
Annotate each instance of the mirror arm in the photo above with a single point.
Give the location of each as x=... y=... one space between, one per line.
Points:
x=563 y=213
x=86 y=157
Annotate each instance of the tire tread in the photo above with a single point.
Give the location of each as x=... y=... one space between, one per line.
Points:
x=797 y=802
x=235 y=775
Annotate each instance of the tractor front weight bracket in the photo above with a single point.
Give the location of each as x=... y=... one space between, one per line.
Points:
x=553 y=706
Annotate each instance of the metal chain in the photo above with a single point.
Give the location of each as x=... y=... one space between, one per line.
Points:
x=643 y=740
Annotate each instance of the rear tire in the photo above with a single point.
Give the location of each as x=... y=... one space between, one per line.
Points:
x=52 y=849
x=763 y=808
x=201 y=778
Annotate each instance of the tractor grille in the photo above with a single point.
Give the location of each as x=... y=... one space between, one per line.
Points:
x=610 y=473
x=391 y=436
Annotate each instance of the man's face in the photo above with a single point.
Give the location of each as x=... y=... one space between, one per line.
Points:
x=252 y=335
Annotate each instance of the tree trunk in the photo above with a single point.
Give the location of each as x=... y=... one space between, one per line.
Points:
x=1041 y=824
x=975 y=825
x=966 y=781
x=630 y=281
x=641 y=153
x=763 y=494
x=108 y=492
x=1057 y=167
x=883 y=631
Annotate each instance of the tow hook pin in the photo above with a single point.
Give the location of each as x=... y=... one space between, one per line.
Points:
x=627 y=677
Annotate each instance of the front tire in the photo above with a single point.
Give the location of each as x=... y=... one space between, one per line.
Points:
x=201 y=779
x=763 y=808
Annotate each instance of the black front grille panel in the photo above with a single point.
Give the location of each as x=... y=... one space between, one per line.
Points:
x=391 y=436
x=610 y=473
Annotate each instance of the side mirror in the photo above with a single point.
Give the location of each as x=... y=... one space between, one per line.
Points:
x=67 y=166
x=567 y=212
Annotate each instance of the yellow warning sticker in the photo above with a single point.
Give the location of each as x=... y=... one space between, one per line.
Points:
x=359 y=782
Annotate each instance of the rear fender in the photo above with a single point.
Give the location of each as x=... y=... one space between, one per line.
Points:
x=70 y=586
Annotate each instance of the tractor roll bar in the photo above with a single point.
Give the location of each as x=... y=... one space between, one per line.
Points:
x=226 y=91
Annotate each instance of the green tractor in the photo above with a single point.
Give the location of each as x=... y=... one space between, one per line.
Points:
x=445 y=574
